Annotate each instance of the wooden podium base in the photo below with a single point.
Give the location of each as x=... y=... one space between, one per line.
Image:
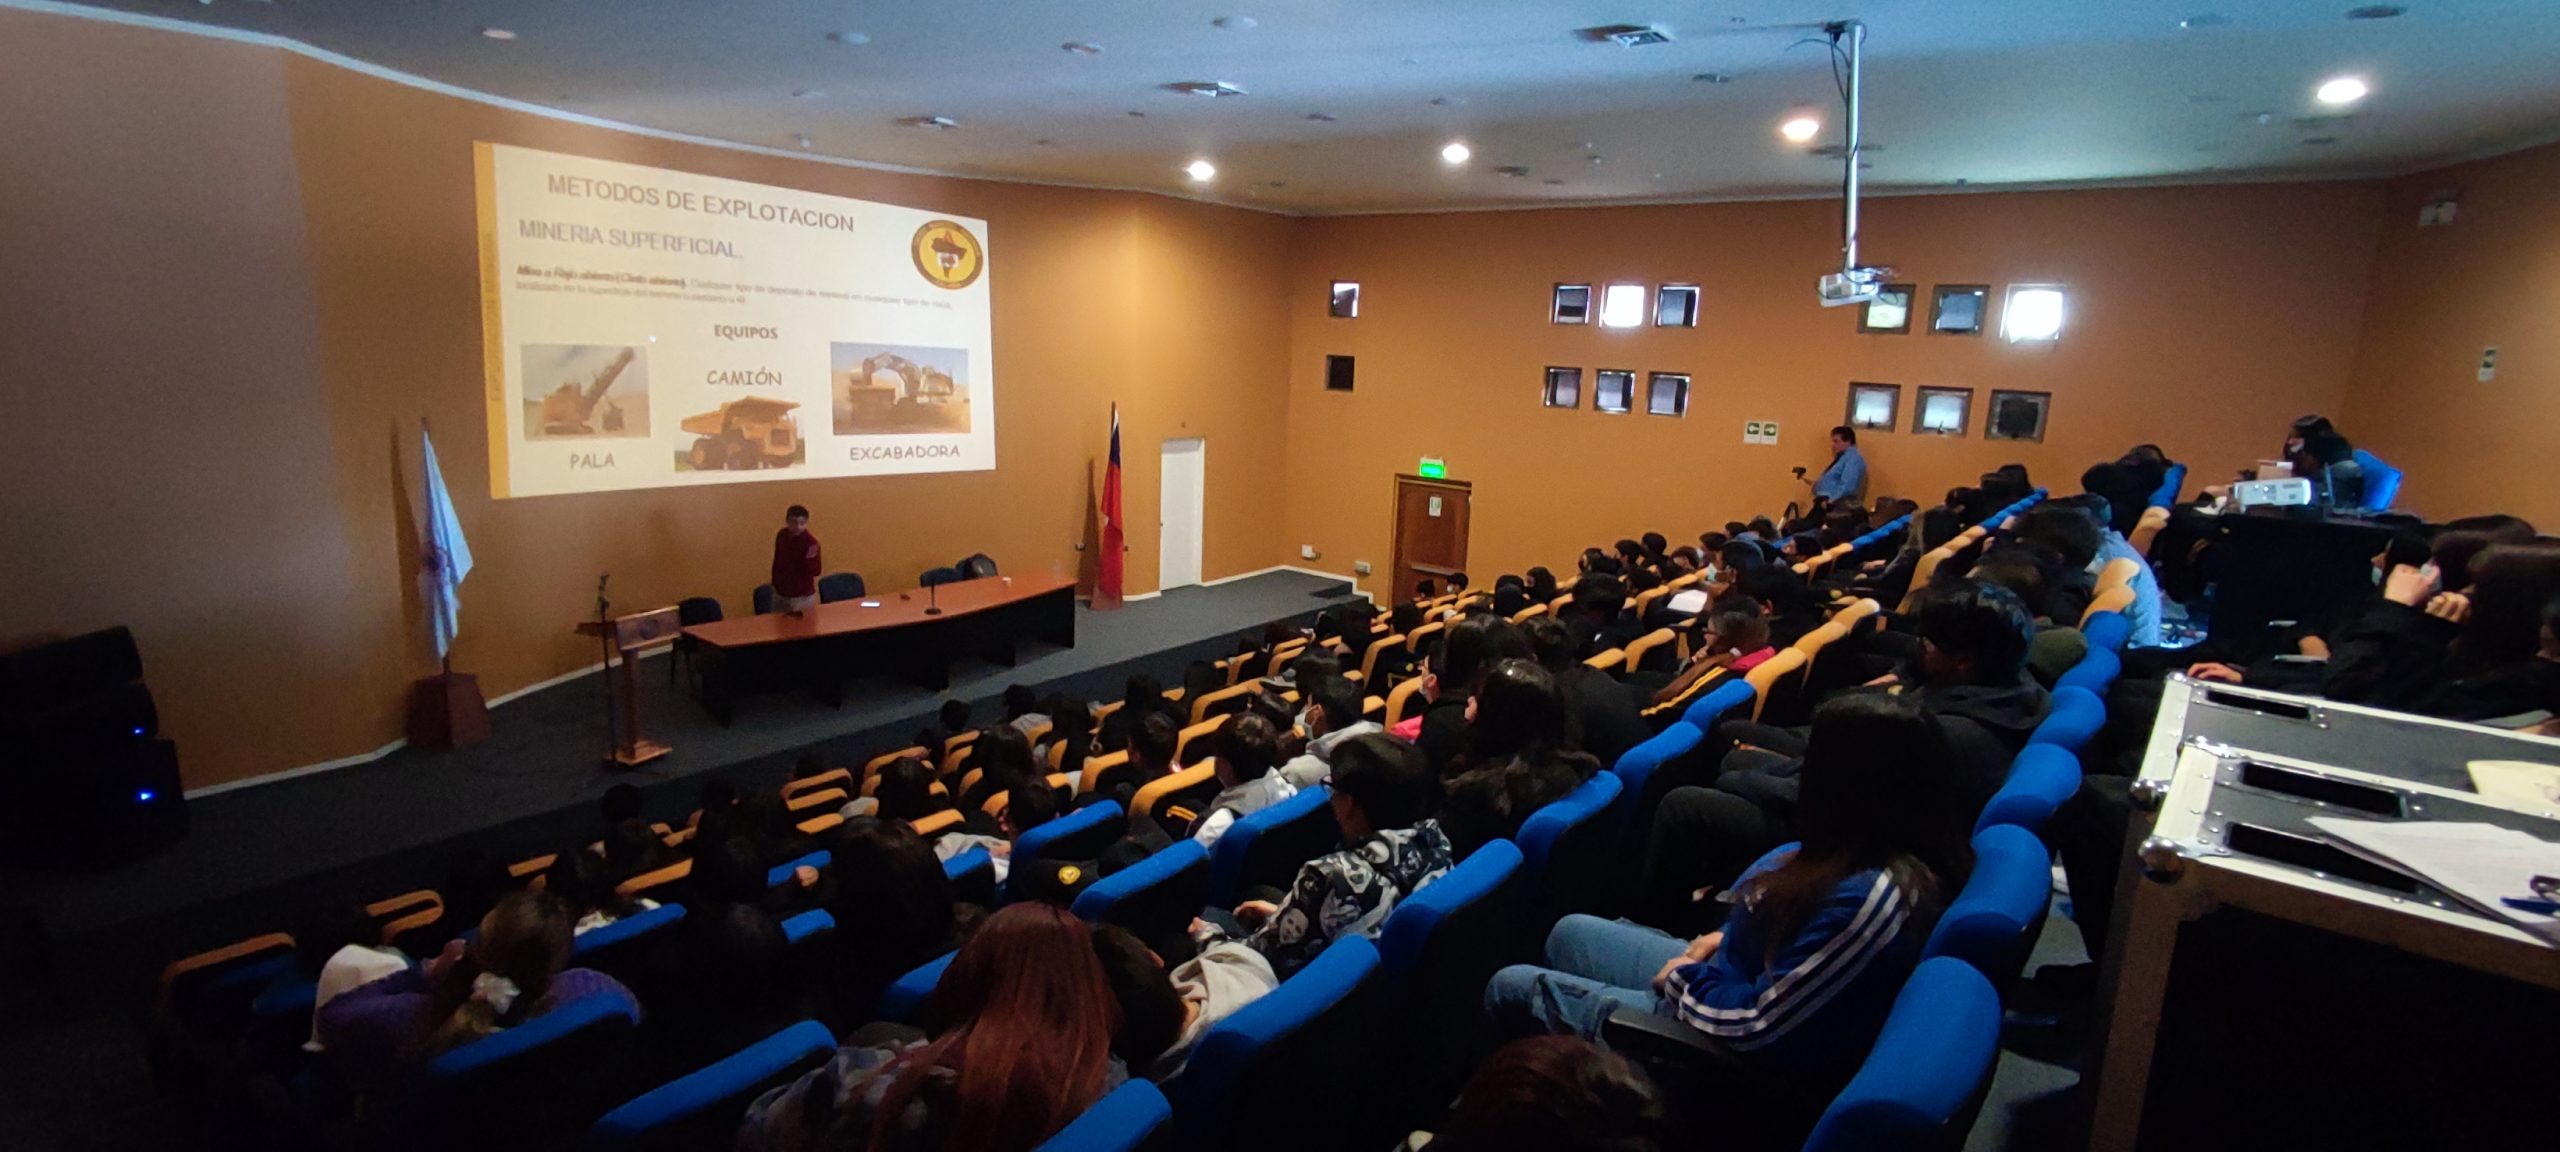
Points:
x=637 y=754
x=446 y=711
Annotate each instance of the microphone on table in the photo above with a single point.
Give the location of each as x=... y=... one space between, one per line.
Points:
x=933 y=599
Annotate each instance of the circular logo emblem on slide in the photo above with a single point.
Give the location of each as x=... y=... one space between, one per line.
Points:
x=948 y=255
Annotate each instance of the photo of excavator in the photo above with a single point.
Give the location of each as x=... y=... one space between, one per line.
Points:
x=884 y=389
x=602 y=392
x=746 y=433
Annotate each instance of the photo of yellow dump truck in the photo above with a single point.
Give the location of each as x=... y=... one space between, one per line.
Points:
x=746 y=433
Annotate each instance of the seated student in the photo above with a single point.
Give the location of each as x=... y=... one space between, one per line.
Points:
x=1021 y=1031
x=1071 y=726
x=632 y=848
x=2077 y=538
x=905 y=792
x=1656 y=547
x=1518 y=757
x=952 y=719
x=621 y=805
x=1003 y=759
x=1541 y=585
x=1473 y=647
x=1598 y=612
x=2476 y=655
x=1332 y=716
x=892 y=905
x=718 y=982
x=1817 y=944
x=1248 y=782
x=1603 y=714
x=343 y=951
x=2142 y=616
x=718 y=805
x=769 y=829
x=379 y=1037
x=1737 y=642
x=1164 y=1013
x=1383 y=795
x=1556 y=1094
x=1786 y=602
x=584 y=882
x=1142 y=695
x=1397 y=662
x=2023 y=569
x=1151 y=746
x=1022 y=709
x=1510 y=597
x=1426 y=589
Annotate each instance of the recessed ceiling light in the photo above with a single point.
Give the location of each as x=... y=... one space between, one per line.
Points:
x=2341 y=90
x=1800 y=127
x=848 y=39
x=1712 y=78
x=2375 y=12
x=1208 y=88
x=1455 y=152
x=499 y=33
x=1082 y=47
x=934 y=122
x=1322 y=117
x=1201 y=171
x=2204 y=20
x=1236 y=23
x=803 y=141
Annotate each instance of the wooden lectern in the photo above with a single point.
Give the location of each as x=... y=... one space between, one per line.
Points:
x=627 y=637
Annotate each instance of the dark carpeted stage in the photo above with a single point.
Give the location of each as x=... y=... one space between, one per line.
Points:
x=262 y=857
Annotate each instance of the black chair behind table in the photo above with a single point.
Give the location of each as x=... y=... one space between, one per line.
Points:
x=933 y=576
x=690 y=611
x=978 y=566
x=763 y=598
x=839 y=586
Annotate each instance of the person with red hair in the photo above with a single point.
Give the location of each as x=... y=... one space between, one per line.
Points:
x=1021 y=1028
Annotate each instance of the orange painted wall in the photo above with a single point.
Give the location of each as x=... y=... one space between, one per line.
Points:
x=2440 y=296
x=264 y=267
x=2203 y=318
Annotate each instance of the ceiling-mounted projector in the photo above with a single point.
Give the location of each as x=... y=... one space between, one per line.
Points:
x=1852 y=286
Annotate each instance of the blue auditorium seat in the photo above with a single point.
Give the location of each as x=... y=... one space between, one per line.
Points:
x=2381 y=482
x=1119 y=1122
x=532 y=1085
x=1436 y=952
x=905 y=996
x=2094 y=674
x=1078 y=835
x=1703 y=713
x=2041 y=779
x=2077 y=715
x=973 y=877
x=701 y=1109
x=807 y=925
x=617 y=948
x=2107 y=630
x=1567 y=849
x=1299 y=1046
x=1923 y=1081
x=1155 y=897
x=1993 y=921
x=780 y=874
x=1636 y=765
x=1268 y=846
x=2166 y=495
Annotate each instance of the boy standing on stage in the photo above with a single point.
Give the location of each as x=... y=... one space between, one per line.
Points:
x=795 y=564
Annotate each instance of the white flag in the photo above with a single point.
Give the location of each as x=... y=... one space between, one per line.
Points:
x=443 y=558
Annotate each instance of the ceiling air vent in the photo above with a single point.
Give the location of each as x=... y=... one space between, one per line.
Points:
x=1624 y=35
x=934 y=122
x=1209 y=88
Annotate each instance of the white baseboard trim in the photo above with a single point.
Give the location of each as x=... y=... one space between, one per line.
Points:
x=396 y=745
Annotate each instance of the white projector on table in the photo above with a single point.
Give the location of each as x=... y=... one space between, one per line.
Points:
x=2294 y=492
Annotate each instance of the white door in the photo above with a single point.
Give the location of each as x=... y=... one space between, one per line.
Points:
x=1182 y=508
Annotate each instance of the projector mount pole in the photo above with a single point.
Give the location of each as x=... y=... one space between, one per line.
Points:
x=1856 y=32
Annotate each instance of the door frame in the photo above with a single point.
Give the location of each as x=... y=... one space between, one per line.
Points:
x=1464 y=489
x=1197 y=514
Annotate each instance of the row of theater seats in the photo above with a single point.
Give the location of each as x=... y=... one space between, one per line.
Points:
x=1412 y=998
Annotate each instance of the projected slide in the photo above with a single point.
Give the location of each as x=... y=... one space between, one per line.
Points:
x=644 y=327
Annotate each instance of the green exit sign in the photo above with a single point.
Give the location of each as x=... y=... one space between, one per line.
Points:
x=1433 y=468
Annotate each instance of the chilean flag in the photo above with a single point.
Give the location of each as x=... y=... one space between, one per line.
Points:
x=1109 y=581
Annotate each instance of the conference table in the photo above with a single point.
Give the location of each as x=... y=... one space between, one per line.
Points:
x=914 y=634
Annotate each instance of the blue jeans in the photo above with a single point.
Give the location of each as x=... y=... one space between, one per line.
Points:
x=1594 y=966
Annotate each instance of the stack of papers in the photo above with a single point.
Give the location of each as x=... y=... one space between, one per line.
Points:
x=2519 y=784
x=2482 y=865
